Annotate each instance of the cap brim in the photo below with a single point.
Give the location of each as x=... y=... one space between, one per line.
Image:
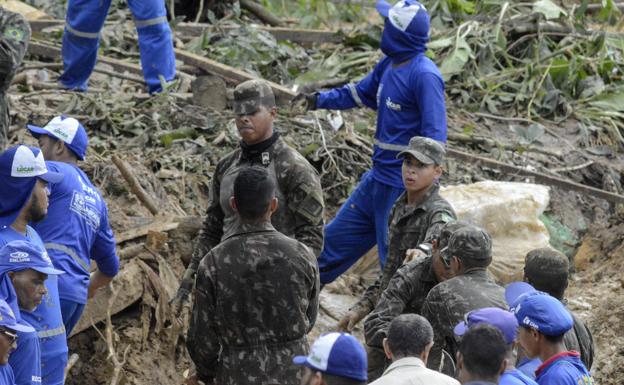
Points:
x=515 y=290
x=48 y=270
x=383 y=7
x=51 y=177
x=36 y=130
x=460 y=329
x=422 y=158
x=300 y=360
x=21 y=328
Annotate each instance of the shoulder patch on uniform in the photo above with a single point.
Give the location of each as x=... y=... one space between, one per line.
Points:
x=14 y=33
x=446 y=218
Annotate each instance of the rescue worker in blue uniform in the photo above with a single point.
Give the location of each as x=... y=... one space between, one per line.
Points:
x=24 y=199
x=81 y=39
x=85 y=233
x=9 y=331
x=24 y=269
x=407 y=90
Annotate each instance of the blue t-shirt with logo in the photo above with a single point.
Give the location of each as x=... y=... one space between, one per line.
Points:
x=76 y=230
x=46 y=318
x=563 y=369
x=25 y=360
x=409 y=100
x=515 y=377
x=6 y=375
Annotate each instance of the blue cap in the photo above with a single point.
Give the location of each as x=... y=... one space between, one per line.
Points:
x=20 y=166
x=21 y=255
x=504 y=320
x=538 y=310
x=67 y=129
x=408 y=16
x=338 y=354
x=8 y=320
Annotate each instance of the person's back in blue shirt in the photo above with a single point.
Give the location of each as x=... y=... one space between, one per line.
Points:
x=46 y=318
x=515 y=377
x=75 y=231
x=563 y=369
x=6 y=375
x=528 y=366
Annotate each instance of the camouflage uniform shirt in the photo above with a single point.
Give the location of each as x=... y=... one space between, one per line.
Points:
x=14 y=37
x=256 y=299
x=580 y=339
x=409 y=226
x=405 y=293
x=300 y=208
x=448 y=302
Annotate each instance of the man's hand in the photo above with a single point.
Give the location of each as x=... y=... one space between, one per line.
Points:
x=181 y=298
x=412 y=254
x=353 y=316
x=304 y=101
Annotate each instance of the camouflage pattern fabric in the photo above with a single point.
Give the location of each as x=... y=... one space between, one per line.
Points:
x=14 y=37
x=249 y=96
x=448 y=302
x=300 y=209
x=579 y=338
x=256 y=299
x=426 y=150
x=409 y=226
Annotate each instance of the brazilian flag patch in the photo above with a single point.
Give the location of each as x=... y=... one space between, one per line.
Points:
x=14 y=33
x=446 y=218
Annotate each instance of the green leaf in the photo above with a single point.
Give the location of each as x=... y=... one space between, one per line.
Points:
x=549 y=9
x=613 y=101
x=528 y=135
x=456 y=60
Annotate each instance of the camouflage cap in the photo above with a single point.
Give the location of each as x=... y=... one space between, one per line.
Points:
x=447 y=230
x=249 y=96
x=469 y=242
x=426 y=150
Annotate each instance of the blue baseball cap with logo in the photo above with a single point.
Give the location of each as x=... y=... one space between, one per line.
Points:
x=338 y=354
x=67 y=129
x=22 y=255
x=408 y=16
x=20 y=167
x=9 y=321
x=538 y=310
x=504 y=320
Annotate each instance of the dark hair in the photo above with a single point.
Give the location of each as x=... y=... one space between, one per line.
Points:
x=408 y=335
x=483 y=349
x=253 y=190
x=547 y=270
x=336 y=380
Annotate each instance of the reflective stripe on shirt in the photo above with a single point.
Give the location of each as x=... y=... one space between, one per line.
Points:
x=68 y=251
x=51 y=332
x=390 y=146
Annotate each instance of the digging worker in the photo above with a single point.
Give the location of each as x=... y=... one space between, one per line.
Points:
x=468 y=254
x=407 y=90
x=256 y=295
x=24 y=178
x=75 y=203
x=298 y=186
x=416 y=218
x=406 y=293
x=81 y=40
x=14 y=37
x=9 y=330
x=24 y=269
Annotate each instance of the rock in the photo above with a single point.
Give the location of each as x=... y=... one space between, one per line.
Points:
x=209 y=91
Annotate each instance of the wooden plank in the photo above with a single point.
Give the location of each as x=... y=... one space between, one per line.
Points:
x=141 y=231
x=226 y=71
x=539 y=177
x=297 y=35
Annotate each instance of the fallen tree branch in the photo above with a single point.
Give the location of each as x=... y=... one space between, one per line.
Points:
x=134 y=185
x=112 y=354
x=261 y=13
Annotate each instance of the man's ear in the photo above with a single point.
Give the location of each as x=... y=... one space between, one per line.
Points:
x=460 y=361
x=503 y=366
x=59 y=147
x=424 y=356
x=386 y=348
x=438 y=171
x=273 y=112
x=274 y=204
x=233 y=204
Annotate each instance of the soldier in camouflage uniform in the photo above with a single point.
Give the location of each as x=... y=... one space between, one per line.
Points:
x=547 y=270
x=300 y=212
x=14 y=37
x=405 y=294
x=415 y=219
x=256 y=295
x=468 y=253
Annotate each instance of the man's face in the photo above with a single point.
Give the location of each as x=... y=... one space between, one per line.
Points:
x=417 y=175
x=257 y=126
x=37 y=205
x=46 y=144
x=528 y=339
x=310 y=377
x=7 y=345
x=30 y=288
x=441 y=270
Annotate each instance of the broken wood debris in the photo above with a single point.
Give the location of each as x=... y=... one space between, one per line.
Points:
x=134 y=185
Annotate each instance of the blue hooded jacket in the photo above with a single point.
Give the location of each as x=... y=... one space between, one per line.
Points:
x=407 y=90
